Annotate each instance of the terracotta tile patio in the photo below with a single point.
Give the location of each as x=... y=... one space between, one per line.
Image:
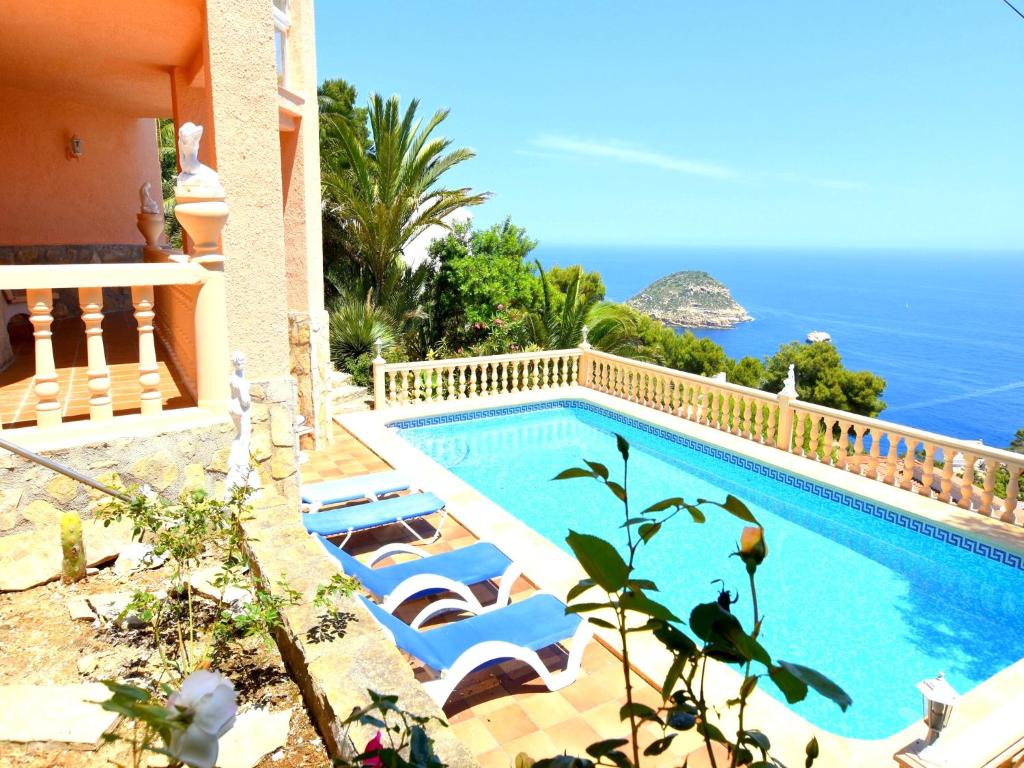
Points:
x=17 y=396
x=504 y=710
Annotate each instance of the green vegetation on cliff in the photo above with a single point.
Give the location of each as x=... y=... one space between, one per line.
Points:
x=690 y=300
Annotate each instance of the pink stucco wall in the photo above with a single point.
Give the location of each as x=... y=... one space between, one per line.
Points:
x=45 y=198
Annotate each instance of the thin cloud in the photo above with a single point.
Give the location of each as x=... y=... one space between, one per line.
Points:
x=838 y=184
x=627 y=153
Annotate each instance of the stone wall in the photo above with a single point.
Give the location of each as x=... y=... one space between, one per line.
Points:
x=65 y=300
x=274 y=448
x=311 y=366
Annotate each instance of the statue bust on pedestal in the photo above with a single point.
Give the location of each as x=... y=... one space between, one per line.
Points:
x=195 y=178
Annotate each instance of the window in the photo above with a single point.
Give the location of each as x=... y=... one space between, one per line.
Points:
x=282 y=22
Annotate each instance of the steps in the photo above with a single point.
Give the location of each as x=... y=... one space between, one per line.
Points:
x=346 y=397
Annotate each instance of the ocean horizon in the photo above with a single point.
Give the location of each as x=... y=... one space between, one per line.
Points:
x=941 y=327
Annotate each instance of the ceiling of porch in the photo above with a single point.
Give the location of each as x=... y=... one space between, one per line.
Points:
x=116 y=54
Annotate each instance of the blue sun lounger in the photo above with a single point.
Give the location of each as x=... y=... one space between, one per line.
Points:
x=455 y=571
x=331 y=493
x=360 y=517
x=515 y=631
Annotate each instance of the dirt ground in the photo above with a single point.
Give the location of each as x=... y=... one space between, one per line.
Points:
x=41 y=644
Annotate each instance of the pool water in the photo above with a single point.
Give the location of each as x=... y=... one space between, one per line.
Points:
x=871 y=598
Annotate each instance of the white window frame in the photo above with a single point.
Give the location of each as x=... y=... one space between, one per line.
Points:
x=282 y=25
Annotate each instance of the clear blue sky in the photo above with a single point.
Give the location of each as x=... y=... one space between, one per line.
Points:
x=877 y=123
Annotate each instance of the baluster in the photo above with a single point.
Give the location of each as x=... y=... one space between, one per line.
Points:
x=449 y=393
x=858 y=448
x=758 y=421
x=801 y=431
x=876 y=446
x=967 y=481
x=989 y=486
x=946 y=483
x=474 y=378
x=909 y=464
x=1012 y=492
x=509 y=370
x=927 y=470
x=149 y=372
x=100 y=404
x=737 y=414
x=891 y=456
x=47 y=388
x=818 y=438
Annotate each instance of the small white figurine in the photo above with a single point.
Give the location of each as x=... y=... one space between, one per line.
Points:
x=146 y=202
x=195 y=175
x=240 y=470
x=789 y=385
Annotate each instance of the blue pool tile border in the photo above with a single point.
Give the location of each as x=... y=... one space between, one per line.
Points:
x=946 y=536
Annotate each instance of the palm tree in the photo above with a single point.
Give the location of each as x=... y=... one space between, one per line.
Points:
x=387 y=195
x=612 y=327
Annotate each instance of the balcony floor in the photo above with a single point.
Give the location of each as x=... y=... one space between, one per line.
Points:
x=120 y=340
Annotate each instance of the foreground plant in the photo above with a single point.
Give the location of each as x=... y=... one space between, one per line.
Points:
x=401 y=740
x=186 y=727
x=714 y=634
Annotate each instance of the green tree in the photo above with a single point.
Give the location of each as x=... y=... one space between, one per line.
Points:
x=336 y=100
x=822 y=379
x=167 y=148
x=1017 y=444
x=479 y=271
x=590 y=285
x=388 y=194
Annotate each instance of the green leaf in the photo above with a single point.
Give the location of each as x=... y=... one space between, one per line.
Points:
x=633 y=521
x=659 y=746
x=598 y=468
x=572 y=472
x=586 y=607
x=819 y=683
x=675 y=640
x=757 y=739
x=696 y=514
x=711 y=732
x=661 y=506
x=642 y=584
x=579 y=589
x=623 y=446
x=638 y=710
x=792 y=687
x=600 y=560
x=674 y=673
x=618 y=490
x=600 y=622
x=648 y=531
x=601 y=748
x=738 y=509
x=642 y=604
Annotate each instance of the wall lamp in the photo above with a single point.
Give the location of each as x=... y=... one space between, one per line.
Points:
x=74 y=147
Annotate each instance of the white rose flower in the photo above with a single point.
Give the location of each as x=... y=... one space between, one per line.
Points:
x=207 y=703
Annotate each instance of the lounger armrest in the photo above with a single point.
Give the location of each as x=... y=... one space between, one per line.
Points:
x=505 y=583
x=426 y=582
x=390 y=550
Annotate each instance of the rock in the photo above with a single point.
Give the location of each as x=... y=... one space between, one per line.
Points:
x=202 y=582
x=690 y=300
x=137 y=556
x=109 y=479
x=42 y=513
x=187 y=446
x=283 y=463
x=80 y=610
x=34 y=557
x=195 y=477
x=255 y=734
x=87 y=664
x=260 y=447
x=55 y=713
x=219 y=462
x=62 y=489
x=110 y=605
x=160 y=470
x=282 y=426
x=10 y=498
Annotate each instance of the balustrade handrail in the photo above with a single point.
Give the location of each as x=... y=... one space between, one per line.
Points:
x=673 y=372
x=449 y=362
x=918 y=435
x=27 y=276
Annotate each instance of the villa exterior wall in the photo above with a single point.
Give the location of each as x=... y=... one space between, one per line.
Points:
x=48 y=198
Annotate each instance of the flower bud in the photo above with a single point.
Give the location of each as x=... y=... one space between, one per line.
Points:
x=753 y=550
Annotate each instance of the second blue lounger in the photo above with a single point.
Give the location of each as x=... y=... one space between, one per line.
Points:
x=331 y=493
x=455 y=571
x=360 y=517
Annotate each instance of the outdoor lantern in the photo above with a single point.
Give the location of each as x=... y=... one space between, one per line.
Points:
x=939 y=700
x=75 y=146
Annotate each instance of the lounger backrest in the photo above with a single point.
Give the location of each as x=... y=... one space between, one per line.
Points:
x=408 y=639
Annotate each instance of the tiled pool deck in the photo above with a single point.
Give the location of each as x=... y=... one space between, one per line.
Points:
x=501 y=712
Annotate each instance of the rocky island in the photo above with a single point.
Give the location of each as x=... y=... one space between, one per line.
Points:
x=690 y=300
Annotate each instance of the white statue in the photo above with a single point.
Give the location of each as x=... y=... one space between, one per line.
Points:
x=789 y=385
x=240 y=470
x=146 y=202
x=195 y=175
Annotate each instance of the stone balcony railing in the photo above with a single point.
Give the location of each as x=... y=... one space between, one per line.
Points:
x=958 y=472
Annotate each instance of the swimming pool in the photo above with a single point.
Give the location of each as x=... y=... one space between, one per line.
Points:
x=871 y=597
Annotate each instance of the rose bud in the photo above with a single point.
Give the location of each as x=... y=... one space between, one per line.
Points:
x=753 y=549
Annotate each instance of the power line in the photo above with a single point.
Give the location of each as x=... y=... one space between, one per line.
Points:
x=1008 y=3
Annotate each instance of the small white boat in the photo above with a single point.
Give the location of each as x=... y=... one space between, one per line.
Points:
x=815 y=336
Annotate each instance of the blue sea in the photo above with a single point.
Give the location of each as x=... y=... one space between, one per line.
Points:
x=944 y=329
